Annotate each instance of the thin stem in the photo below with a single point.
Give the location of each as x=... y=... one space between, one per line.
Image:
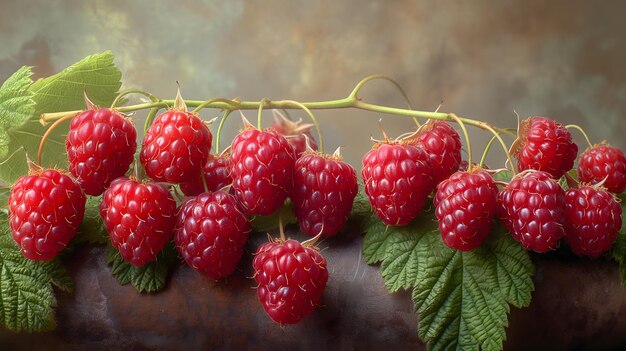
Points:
x=467 y=139
x=582 y=131
x=260 y=113
x=281 y=227
x=48 y=132
x=233 y=104
x=149 y=118
x=484 y=156
x=133 y=91
x=206 y=187
x=317 y=125
x=359 y=86
x=219 y=130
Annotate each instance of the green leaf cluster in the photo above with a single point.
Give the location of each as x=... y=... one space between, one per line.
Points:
x=462 y=298
x=148 y=278
x=27 y=299
x=22 y=102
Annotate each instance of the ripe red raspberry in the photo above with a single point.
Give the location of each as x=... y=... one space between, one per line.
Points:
x=545 y=145
x=139 y=218
x=532 y=208
x=594 y=219
x=600 y=161
x=443 y=145
x=291 y=279
x=45 y=209
x=262 y=170
x=211 y=233
x=216 y=174
x=176 y=147
x=100 y=147
x=466 y=207
x=295 y=133
x=324 y=189
x=398 y=179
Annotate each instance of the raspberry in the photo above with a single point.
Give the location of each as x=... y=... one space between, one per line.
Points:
x=291 y=280
x=594 y=220
x=211 y=233
x=600 y=161
x=443 y=145
x=139 y=218
x=262 y=170
x=324 y=189
x=216 y=174
x=545 y=145
x=398 y=179
x=176 y=147
x=100 y=147
x=466 y=207
x=532 y=208
x=295 y=133
x=45 y=209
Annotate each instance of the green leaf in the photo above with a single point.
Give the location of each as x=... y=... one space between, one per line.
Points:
x=92 y=228
x=361 y=208
x=150 y=277
x=269 y=223
x=61 y=92
x=27 y=299
x=462 y=297
x=16 y=107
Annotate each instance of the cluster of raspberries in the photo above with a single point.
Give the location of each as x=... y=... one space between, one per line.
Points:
x=263 y=168
x=399 y=176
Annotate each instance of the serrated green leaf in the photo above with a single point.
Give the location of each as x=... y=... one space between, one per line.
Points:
x=503 y=176
x=16 y=107
x=462 y=297
x=376 y=242
x=26 y=296
x=150 y=277
x=264 y=224
x=92 y=228
x=361 y=208
x=61 y=92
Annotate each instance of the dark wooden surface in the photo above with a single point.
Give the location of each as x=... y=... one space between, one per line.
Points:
x=578 y=304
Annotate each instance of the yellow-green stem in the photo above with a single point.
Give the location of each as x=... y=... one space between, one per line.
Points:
x=467 y=140
x=582 y=131
x=219 y=130
x=317 y=125
x=133 y=91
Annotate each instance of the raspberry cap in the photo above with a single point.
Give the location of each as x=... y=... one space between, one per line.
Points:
x=211 y=233
x=291 y=279
x=216 y=173
x=594 y=219
x=139 y=218
x=262 y=163
x=176 y=147
x=544 y=145
x=532 y=208
x=398 y=179
x=296 y=133
x=324 y=190
x=100 y=146
x=443 y=145
x=466 y=208
x=45 y=209
x=603 y=161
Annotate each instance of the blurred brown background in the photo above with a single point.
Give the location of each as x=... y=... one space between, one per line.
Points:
x=561 y=59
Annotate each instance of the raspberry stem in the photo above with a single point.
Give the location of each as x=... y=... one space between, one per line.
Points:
x=259 y=123
x=359 y=85
x=487 y=148
x=581 y=130
x=149 y=118
x=49 y=131
x=219 y=130
x=467 y=140
x=133 y=91
x=317 y=125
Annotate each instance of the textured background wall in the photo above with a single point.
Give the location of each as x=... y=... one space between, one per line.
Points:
x=562 y=59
